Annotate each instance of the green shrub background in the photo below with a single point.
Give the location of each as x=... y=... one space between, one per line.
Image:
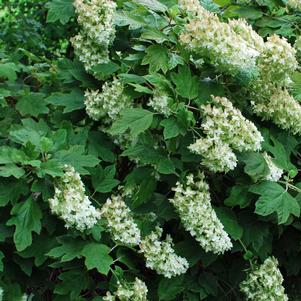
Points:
x=44 y=125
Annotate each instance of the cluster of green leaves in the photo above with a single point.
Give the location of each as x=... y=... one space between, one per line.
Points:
x=43 y=126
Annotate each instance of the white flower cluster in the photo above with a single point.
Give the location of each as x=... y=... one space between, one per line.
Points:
x=238 y=50
x=88 y=52
x=276 y=63
x=282 y=109
x=273 y=102
x=217 y=156
x=71 y=204
x=275 y=173
x=226 y=123
x=250 y=36
x=294 y=4
x=264 y=283
x=226 y=129
x=136 y=291
x=160 y=103
x=96 y=18
x=193 y=203
x=1 y=293
x=160 y=255
x=120 y=222
x=207 y=36
x=107 y=103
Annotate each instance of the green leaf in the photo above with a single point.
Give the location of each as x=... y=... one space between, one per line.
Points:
x=166 y=166
x=97 y=256
x=281 y=145
x=76 y=157
x=51 y=167
x=101 y=146
x=154 y=34
x=172 y=128
x=69 y=71
x=27 y=219
x=71 y=283
x=39 y=248
x=11 y=170
x=136 y=119
x=157 y=57
x=240 y=196
x=249 y=12
x=29 y=132
x=152 y=5
x=32 y=104
x=256 y=234
x=11 y=155
x=256 y=166
x=187 y=85
x=60 y=10
x=103 y=180
x=11 y=191
x=230 y=222
x=69 y=249
x=106 y=185
x=169 y=288
x=104 y=70
x=71 y=101
x=9 y=71
x=275 y=199
x=131 y=78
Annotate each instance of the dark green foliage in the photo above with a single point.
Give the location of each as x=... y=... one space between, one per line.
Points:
x=43 y=125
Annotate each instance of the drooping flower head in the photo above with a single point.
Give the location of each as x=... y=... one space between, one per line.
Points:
x=193 y=204
x=276 y=62
x=217 y=156
x=160 y=103
x=275 y=173
x=250 y=36
x=208 y=37
x=88 y=52
x=119 y=221
x=264 y=283
x=160 y=255
x=96 y=18
x=282 y=109
x=71 y=204
x=135 y=291
x=108 y=103
x=222 y=121
x=294 y=4
x=226 y=129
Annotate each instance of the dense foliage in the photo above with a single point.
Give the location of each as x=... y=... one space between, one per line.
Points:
x=150 y=150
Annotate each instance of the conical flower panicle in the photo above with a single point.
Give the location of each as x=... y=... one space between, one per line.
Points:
x=108 y=103
x=160 y=255
x=96 y=18
x=193 y=203
x=119 y=221
x=71 y=204
x=264 y=283
x=135 y=291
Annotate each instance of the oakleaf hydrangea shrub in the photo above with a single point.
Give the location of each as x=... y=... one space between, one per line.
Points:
x=150 y=150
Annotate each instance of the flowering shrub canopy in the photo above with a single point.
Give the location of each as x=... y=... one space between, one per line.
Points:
x=150 y=150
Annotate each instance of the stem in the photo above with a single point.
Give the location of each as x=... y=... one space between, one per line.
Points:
x=293 y=187
x=246 y=250
x=193 y=108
